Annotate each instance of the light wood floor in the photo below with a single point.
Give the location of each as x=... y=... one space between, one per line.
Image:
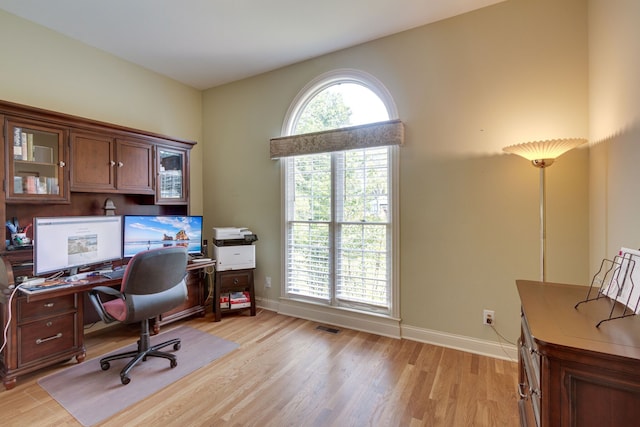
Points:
x=288 y=373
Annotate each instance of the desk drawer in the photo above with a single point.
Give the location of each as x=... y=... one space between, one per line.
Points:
x=45 y=337
x=230 y=279
x=44 y=308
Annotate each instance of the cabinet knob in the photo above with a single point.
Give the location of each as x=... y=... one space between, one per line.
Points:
x=62 y=164
x=235 y=281
x=112 y=163
x=120 y=164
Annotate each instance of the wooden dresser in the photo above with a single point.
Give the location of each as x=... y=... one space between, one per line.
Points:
x=571 y=372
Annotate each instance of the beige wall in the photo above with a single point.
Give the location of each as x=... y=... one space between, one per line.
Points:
x=465 y=88
x=44 y=69
x=614 y=126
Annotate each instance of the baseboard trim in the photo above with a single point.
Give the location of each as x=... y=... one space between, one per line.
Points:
x=375 y=324
x=497 y=350
x=385 y=326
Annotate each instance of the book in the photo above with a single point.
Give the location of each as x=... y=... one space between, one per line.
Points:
x=17 y=144
x=224 y=301
x=23 y=141
x=30 y=147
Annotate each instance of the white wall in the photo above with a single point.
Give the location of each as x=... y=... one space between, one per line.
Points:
x=465 y=88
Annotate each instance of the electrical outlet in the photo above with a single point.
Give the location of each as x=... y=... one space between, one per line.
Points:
x=488 y=317
x=267 y=282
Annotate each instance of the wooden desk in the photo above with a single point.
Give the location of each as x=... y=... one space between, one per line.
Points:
x=571 y=372
x=48 y=328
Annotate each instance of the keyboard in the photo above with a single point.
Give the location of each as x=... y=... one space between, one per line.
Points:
x=115 y=274
x=45 y=286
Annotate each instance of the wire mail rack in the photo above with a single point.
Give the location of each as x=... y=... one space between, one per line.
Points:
x=616 y=280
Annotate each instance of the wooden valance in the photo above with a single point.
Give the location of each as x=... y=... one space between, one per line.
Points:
x=363 y=136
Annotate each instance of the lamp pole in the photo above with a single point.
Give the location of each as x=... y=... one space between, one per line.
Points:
x=543 y=229
x=542 y=164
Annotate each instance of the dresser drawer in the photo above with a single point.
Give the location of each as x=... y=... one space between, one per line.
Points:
x=45 y=337
x=235 y=280
x=45 y=308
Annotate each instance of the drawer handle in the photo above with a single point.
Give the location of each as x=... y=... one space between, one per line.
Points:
x=48 y=304
x=235 y=281
x=56 y=336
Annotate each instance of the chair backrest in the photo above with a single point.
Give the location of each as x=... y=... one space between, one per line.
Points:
x=153 y=282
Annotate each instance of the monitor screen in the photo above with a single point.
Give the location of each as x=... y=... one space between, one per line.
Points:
x=69 y=242
x=144 y=232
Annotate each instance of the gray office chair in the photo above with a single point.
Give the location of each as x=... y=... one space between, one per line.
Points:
x=153 y=283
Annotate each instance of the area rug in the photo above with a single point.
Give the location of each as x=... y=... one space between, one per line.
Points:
x=92 y=395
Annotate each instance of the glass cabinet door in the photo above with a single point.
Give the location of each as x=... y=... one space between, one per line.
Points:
x=171 y=186
x=36 y=163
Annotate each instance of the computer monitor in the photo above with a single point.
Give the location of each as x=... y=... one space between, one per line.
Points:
x=69 y=242
x=144 y=232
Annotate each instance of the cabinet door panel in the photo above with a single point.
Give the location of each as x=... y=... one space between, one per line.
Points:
x=172 y=176
x=134 y=167
x=36 y=162
x=92 y=163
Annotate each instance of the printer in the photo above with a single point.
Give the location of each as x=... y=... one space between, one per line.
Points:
x=233 y=248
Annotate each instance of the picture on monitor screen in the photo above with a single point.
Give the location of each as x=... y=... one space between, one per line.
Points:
x=70 y=242
x=144 y=232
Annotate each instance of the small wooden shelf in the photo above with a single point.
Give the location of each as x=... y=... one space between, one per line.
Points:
x=233 y=281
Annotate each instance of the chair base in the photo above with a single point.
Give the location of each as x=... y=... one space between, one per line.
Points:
x=144 y=350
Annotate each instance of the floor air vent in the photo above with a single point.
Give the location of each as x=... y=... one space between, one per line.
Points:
x=328 y=329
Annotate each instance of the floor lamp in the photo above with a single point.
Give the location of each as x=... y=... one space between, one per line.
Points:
x=541 y=154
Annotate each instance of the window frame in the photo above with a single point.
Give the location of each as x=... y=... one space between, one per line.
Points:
x=294 y=112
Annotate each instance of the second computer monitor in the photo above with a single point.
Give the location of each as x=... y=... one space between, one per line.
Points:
x=144 y=232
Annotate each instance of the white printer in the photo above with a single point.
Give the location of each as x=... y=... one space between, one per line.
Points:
x=233 y=248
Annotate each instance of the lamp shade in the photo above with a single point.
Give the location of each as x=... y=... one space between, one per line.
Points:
x=542 y=153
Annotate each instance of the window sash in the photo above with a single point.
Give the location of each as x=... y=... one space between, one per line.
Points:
x=345 y=258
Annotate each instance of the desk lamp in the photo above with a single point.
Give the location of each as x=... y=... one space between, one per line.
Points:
x=542 y=154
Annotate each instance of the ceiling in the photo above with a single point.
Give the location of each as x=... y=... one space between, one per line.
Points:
x=206 y=43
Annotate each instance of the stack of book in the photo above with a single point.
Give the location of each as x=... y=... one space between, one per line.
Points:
x=235 y=300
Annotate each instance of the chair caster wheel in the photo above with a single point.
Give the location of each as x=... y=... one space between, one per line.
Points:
x=174 y=363
x=104 y=365
x=176 y=346
x=125 y=379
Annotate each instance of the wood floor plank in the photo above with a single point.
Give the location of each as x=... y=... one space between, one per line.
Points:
x=286 y=372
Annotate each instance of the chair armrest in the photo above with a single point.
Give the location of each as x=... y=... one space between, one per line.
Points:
x=106 y=290
x=96 y=301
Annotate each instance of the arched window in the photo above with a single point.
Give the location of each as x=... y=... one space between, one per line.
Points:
x=340 y=192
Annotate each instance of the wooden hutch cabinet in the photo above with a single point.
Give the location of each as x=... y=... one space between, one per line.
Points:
x=573 y=373
x=61 y=165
